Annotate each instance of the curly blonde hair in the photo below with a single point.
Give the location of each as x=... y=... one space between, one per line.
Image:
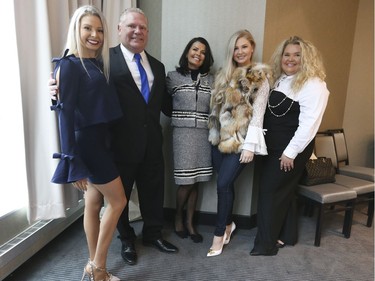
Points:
x=311 y=62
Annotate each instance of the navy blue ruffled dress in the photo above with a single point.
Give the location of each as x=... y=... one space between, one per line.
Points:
x=86 y=106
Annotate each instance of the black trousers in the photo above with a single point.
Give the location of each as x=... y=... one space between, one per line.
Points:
x=149 y=179
x=277 y=214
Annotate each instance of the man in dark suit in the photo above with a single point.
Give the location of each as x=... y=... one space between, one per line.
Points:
x=137 y=137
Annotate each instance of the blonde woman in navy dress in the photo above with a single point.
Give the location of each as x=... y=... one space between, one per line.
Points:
x=190 y=88
x=87 y=102
x=295 y=110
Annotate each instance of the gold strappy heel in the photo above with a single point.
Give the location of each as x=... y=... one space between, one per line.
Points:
x=93 y=267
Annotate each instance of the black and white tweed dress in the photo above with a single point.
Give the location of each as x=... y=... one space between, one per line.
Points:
x=191 y=105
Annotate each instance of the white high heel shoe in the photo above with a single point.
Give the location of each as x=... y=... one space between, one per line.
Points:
x=233 y=228
x=213 y=253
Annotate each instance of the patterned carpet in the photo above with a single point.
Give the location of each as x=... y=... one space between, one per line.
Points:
x=336 y=259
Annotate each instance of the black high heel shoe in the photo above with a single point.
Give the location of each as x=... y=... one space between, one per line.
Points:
x=196 y=237
x=182 y=233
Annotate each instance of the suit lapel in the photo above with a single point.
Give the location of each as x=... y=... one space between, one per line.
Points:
x=120 y=60
x=152 y=65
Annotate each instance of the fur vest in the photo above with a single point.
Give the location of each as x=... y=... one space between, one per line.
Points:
x=231 y=107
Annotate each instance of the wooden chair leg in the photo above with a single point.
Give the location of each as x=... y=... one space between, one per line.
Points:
x=318 y=231
x=308 y=209
x=370 y=210
x=311 y=210
x=348 y=219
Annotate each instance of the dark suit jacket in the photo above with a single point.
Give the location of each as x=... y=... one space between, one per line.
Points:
x=137 y=136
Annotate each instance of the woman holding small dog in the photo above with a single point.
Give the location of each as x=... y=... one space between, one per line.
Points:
x=238 y=103
x=295 y=110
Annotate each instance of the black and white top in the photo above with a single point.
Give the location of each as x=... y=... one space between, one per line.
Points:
x=191 y=96
x=312 y=99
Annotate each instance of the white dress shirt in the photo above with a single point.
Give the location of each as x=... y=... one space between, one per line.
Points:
x=313 y=99
x=132 y=64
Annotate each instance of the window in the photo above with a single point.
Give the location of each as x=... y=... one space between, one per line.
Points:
x=12 y=142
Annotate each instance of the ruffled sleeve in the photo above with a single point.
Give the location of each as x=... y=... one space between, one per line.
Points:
x=254 y=140
x=71 y=167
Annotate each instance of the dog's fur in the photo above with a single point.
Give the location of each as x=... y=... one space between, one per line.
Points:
x=232 y=110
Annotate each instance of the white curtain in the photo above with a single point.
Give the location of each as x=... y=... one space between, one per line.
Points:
x=41 y=27
x=112 y=11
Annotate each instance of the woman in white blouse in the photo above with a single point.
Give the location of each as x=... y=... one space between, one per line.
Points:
x=295 y=109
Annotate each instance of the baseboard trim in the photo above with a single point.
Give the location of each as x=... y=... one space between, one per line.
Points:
x=22 y=247
x=242 y=222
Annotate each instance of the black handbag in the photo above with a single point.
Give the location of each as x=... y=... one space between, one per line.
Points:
x=318 y=171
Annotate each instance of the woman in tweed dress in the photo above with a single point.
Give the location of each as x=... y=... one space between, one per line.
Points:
x=190 y=87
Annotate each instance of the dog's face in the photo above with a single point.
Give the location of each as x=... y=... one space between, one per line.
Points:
x=255 y=76
x=247 y=79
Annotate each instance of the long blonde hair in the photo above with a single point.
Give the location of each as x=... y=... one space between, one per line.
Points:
x=225 y=73
x=73 y=38
x=311 y=62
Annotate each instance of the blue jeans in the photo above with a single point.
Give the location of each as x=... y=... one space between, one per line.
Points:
x=228 y=168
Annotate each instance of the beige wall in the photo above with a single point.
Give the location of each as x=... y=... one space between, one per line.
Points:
x=330 y=25
x=359 y=107
x=343 y=31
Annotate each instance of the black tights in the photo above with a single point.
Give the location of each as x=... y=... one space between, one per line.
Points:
x=187 y=195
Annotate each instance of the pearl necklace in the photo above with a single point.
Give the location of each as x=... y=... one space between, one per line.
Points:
x=270 y=107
